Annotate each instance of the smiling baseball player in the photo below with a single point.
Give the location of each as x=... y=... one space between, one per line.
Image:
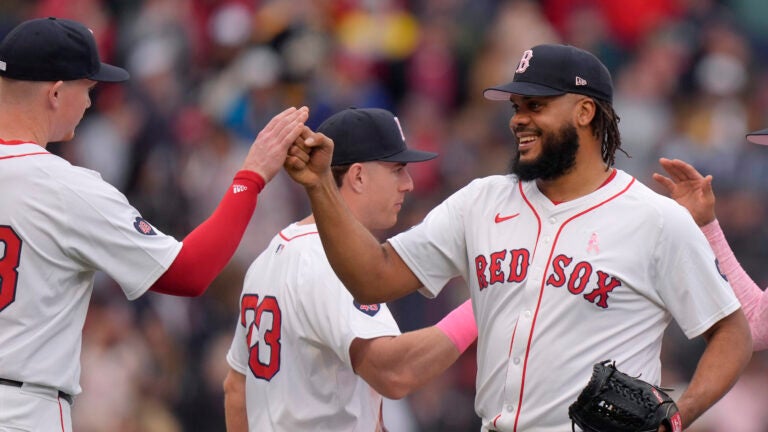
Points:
x=569 y=260
x=59 y=224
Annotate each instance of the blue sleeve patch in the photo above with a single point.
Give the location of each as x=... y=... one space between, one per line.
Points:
x=143 y=227
x=371 y=309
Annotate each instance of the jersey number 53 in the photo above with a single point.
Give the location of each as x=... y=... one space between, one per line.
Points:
x=262 y=321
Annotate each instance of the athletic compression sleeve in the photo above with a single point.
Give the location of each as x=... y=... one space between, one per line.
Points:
x=210 y=246
x=754 y=301
x=459 y=325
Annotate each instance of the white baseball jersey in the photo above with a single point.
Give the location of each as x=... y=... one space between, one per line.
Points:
x=59 y=224
x=292 y=341
x=557 y=288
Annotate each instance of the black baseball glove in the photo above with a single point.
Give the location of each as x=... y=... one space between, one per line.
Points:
x=613 y=401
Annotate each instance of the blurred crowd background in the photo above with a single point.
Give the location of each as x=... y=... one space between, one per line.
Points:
x=690 y=76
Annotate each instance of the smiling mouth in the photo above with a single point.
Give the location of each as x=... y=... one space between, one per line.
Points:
x=526 y=141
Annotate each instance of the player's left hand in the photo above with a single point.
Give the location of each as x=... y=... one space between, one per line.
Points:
x=689 y=188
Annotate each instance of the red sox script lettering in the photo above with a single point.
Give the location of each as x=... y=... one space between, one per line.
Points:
x=517 y=268
x=575 y=277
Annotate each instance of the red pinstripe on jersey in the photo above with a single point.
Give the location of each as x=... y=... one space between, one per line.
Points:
x=61 y=416
x=544 y=278
x=22 y=155
x=283 y=236
x=15 y=142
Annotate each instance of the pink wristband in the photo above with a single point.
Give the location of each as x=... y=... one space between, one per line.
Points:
x=459 y=325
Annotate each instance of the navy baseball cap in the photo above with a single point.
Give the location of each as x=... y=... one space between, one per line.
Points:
x=758 y=137
x=368 y=134
x=553 y=70
x=51 y=49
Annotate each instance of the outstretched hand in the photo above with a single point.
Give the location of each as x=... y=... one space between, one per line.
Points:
x=309 y=158
x=269 y=149
x=689 y=188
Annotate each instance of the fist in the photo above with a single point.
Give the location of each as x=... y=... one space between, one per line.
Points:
x=309 y=158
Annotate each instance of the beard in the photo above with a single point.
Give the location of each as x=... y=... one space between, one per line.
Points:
x=557 y=157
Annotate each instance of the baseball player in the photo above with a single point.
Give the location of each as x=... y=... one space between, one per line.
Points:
x=693 y=191
x=305 y=354
x=569 y=260
x=59 y=224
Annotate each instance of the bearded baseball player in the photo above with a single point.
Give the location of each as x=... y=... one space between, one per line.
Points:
x=569 y=260
x=307 y=356
x=59 y=224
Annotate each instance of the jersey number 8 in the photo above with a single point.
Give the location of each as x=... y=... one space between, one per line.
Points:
x=10 y=255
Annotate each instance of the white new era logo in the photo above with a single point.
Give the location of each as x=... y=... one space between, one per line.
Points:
x=3 y=66
x=239 y=188
x=580 y=81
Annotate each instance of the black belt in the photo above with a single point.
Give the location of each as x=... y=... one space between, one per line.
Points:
x=66 y=396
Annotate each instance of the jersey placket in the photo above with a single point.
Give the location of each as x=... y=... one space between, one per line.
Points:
x=514 y=389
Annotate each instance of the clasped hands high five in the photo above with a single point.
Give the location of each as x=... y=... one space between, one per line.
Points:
x=309 y=159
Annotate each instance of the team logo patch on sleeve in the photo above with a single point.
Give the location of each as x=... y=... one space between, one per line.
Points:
x=371 y=309
x=143 y=227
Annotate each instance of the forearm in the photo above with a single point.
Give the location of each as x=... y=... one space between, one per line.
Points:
x=371 y=271
x=396 y=366
x=402 y=364
x=210 y=246
x=754 y=301
x=729 y=348
x=235 y=413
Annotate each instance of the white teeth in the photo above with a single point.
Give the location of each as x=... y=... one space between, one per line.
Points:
x=524 y=140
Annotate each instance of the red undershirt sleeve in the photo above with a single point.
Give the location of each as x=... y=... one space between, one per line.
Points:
x=210 y=246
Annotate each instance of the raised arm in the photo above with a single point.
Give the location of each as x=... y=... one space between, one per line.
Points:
x=396 y=366
x=754 y=301
x=371 y=271
x=694 y=192
x=210 y=246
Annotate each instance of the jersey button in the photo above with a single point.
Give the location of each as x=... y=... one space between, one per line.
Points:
x=510 y=408
x=527 y=314
x=552 y=220
x=516 y=360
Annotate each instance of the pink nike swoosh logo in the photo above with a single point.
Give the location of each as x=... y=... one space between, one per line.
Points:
x=500 y=218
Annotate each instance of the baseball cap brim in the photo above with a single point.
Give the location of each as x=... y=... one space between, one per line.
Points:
x=109 y=73
x=758 y=137
x=501 y=93
x=409 y=156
